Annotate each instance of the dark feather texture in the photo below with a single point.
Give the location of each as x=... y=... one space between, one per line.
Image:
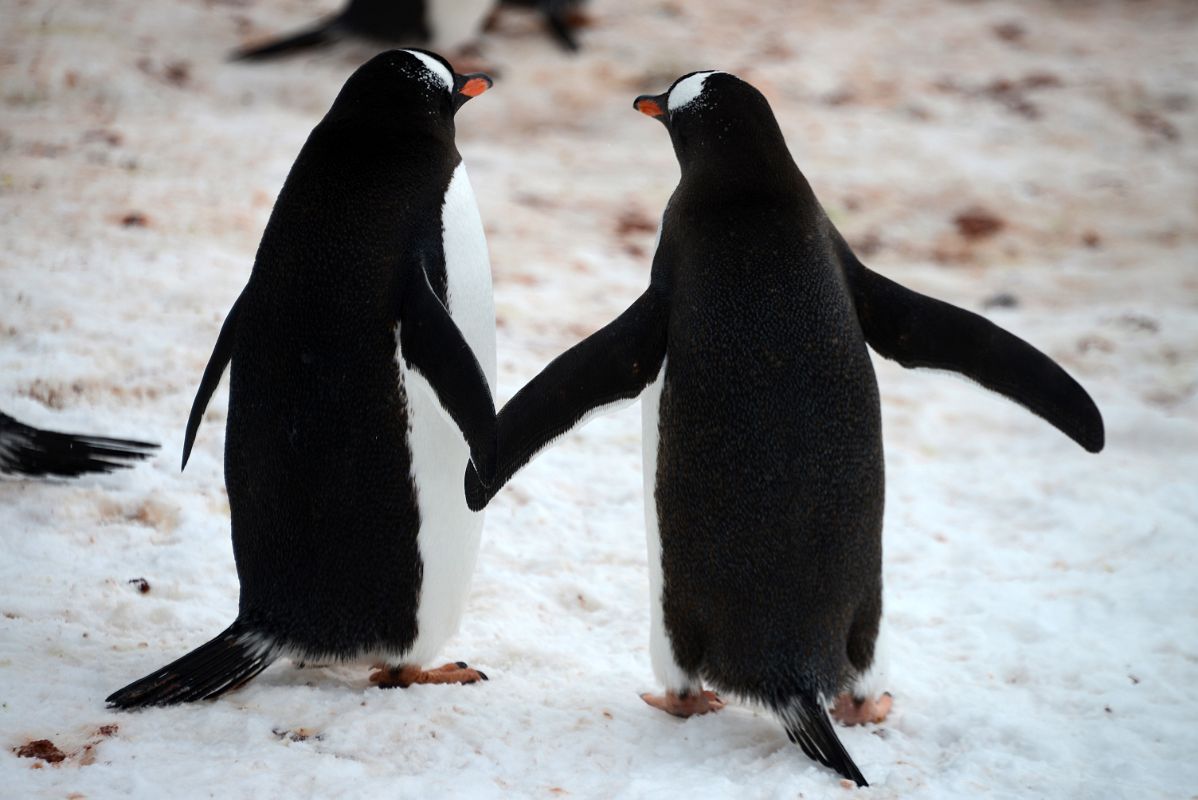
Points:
x=318 y=464
x=25 y=450
x=808 y=725
x=224 y=663
x=769 y=479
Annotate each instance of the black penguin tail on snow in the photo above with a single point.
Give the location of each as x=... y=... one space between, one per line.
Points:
x=321 y=34
x=31 y=451
x=809 y=726
x=226 y=662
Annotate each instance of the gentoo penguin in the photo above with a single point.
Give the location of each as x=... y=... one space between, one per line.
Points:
x=561 y=17
x=363 y=356
x=25 y=450
x=762 y=429
x=440 y=24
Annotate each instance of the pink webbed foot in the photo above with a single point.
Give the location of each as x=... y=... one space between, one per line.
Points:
x=852 y=711
x=388 y=677
x=685 y=704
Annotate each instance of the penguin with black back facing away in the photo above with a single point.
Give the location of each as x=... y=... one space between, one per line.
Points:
x=762 y=426
x=444 y=25
x=363 y=360
x=25 y=450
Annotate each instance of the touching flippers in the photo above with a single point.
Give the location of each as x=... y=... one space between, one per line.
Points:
x=613 y=364
x=433 y=347
x=920 y=331
x=319 y=35
x=25 y=450
x=222 y=353
x=809 y=726
x=212 y=669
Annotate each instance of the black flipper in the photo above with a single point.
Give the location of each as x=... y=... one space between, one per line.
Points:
x=809 y=726
x=321 y=34
x=433 y=346
x=919 y=331
x=615 y=363
x=222 y=353
x=226 y=662
x=25 y=450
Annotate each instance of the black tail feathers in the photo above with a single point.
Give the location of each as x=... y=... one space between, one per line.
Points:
x=320 y=35
x=25 y=450
x=226 y=662
x=809 y=726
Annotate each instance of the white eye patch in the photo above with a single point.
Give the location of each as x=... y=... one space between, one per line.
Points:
x=438 y=74
x=687 y=91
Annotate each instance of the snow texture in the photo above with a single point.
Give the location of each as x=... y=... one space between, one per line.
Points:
x=1033 y=160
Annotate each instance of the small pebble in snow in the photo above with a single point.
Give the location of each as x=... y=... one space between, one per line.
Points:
x=978 y=223
x=1010 y=31
x=40 y=748
x=635 y=221
x=1001 y=300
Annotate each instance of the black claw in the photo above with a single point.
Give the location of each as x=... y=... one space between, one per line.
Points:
x=461 y=664
x=482 y=675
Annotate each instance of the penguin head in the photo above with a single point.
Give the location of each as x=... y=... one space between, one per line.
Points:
x=407 y=84
x=715 y=117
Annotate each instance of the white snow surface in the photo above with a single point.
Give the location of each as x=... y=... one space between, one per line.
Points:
x=1042 y=601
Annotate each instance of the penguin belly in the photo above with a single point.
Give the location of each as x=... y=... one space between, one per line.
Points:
x=673 y=677
x=450 y=532
x=454 y=23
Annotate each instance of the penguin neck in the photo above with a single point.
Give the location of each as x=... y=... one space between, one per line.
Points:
x=403 y=134
x=729 y=174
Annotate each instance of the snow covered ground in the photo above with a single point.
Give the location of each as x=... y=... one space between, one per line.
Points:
x=1042 y=601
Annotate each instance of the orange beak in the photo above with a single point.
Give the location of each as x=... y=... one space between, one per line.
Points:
x=649 y=106
x=475 y=85
x=468 y=86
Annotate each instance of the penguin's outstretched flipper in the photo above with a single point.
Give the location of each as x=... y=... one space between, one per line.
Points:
x=919 y=331
x=610 y=366
x=222 y=353
x=212 y=669
x=319 y=35
x=25 y=450
x=433 y=347
x=809 y=726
